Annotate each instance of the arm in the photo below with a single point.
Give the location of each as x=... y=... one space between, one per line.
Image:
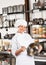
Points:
x=16 y=49
x=22 y=49
x=40 y=48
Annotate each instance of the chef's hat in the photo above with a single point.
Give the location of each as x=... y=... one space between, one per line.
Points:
x=20 y=22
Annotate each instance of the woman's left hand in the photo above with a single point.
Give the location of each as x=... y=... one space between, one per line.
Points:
x=39 y=48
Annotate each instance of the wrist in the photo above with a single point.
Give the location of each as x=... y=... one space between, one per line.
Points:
x=21 y=49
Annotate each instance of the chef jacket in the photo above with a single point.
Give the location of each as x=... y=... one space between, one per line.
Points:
x=22 y=39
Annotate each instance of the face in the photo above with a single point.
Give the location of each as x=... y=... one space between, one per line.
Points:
x=21 y=29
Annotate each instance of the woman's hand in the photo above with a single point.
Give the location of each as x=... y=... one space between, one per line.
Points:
x=40 y=48
x=23 y=48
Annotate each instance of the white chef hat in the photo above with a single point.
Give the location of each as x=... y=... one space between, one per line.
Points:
x=20 y=22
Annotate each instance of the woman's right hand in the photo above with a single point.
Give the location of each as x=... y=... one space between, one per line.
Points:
x=23 y=48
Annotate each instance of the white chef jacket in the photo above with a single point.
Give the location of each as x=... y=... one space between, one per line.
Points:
x=22 y=39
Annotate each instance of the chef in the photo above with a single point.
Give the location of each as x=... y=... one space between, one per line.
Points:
x=20 y=42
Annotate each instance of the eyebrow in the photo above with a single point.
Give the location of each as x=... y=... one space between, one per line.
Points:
x=22 y=26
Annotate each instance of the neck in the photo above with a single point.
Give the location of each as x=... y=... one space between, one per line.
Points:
x=20 y=32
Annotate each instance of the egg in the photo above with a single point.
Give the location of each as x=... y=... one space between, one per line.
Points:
x=44 y=35
x=37 y=31
x=40 y=30
x=34 y=29
x=36 y=40
x=40 y=36
x=34 y=32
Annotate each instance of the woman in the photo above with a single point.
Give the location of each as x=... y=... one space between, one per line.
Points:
x=20 y=43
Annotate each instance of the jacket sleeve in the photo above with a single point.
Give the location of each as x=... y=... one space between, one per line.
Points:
x=15 y=45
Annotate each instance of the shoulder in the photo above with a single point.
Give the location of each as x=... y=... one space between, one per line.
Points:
x=28 y=35
x=14 y=39
x=15 y=36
